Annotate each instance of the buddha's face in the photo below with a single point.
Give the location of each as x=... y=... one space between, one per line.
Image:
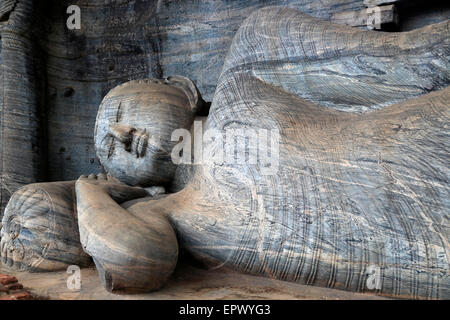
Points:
x=134 y=125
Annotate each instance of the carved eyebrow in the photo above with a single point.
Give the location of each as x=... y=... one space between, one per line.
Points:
x=119 y=112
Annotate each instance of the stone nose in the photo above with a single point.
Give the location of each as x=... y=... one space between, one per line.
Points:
x=122 y=133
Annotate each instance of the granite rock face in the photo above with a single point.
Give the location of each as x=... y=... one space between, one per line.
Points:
x=353 y=190
x=126 y=40
x=342 y=182
x=54 y=79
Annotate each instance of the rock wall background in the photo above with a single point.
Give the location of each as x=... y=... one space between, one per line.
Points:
x=119 y=40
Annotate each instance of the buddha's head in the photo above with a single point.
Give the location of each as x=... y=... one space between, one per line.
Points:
x=134 y=125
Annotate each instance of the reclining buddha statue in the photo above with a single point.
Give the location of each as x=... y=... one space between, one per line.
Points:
x=324 y=156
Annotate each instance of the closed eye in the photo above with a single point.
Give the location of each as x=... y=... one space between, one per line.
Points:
x=111 y=147
x=119 y=113
x=108 y=145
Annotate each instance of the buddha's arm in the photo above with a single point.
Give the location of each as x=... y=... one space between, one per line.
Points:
x=130 y=254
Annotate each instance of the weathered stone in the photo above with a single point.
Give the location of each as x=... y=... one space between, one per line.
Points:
x=39 y=229
x=72 y=70
x=6 y=279
x=387 y=15
x=351 y=191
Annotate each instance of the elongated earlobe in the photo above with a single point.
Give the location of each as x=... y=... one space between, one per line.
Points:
x=190 y=89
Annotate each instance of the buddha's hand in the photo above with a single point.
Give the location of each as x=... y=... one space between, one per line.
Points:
x=131 y=255
x=120 y=192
